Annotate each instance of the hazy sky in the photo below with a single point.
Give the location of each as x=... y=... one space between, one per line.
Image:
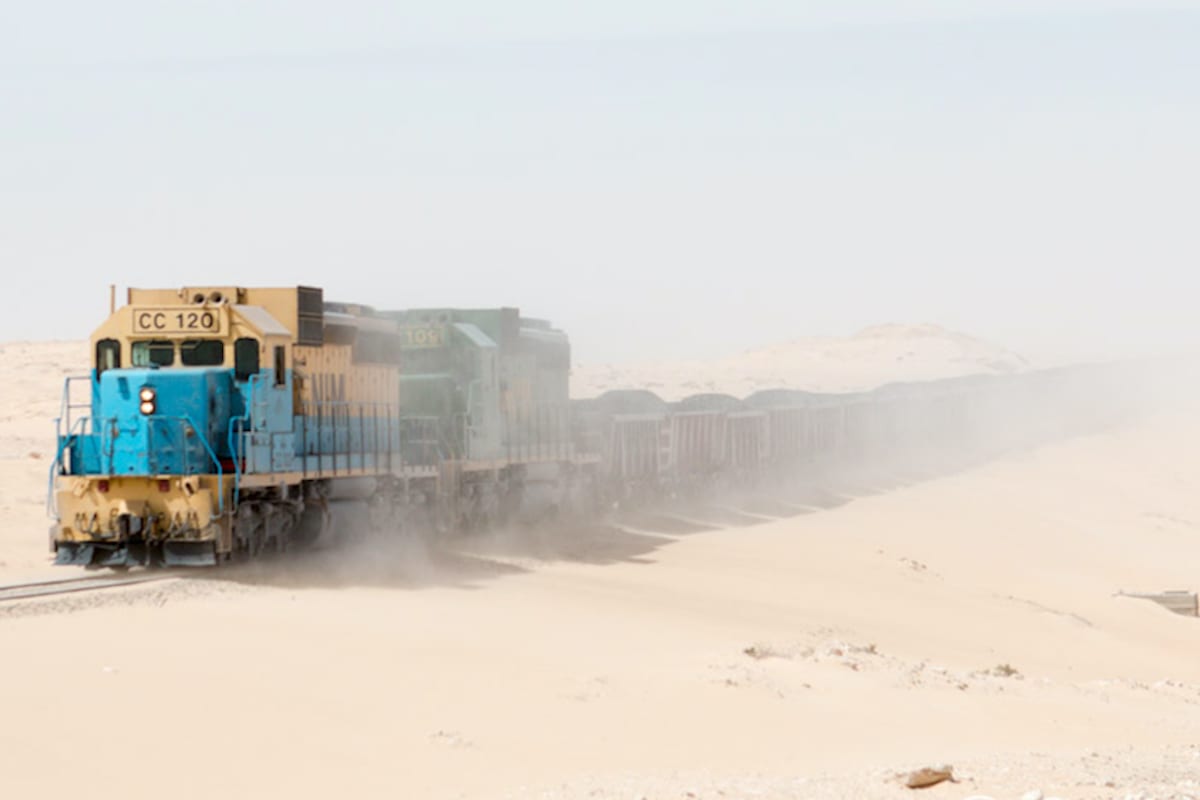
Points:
x=661 y=179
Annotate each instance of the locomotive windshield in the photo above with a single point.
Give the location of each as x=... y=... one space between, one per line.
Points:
x=153 y=353
x=192 y=353
x=201 y=352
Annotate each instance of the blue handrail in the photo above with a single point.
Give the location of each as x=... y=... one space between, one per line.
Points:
x=186 y=419
x=211 y=454
x=246 y=417
x=236 y=456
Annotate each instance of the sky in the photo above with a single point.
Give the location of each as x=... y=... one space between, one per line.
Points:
x=661 y=179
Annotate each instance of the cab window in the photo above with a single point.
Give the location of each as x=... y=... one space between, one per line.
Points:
x=245 y=359
x=153 y=353
x=201 y=352
x=108 y=355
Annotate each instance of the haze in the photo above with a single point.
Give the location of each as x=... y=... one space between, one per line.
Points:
x=661 y=179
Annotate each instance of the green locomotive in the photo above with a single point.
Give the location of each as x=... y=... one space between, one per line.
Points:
x=485 y=397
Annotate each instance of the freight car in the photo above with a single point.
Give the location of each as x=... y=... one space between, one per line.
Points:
x=707 y=443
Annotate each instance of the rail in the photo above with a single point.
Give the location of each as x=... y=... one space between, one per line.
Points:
x=32 y=589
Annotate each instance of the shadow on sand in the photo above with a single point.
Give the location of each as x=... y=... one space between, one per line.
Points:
x=418 y=560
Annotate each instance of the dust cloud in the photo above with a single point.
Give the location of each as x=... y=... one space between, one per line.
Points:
x=952 y=597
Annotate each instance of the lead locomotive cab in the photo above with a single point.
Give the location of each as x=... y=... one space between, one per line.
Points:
x=182 y=385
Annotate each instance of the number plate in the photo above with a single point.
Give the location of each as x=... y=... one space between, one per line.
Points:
x=176 y=320
x=422 y=337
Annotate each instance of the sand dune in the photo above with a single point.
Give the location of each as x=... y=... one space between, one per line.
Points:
x=782 y=645
x=872 y=357
x=33 y=374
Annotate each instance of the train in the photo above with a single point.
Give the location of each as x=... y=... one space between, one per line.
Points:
x=219 y=423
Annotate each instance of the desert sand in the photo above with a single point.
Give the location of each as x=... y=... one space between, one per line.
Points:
x=789 y=644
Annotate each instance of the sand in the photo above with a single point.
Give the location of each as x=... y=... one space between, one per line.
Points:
x=32 y=375
x=783 y=645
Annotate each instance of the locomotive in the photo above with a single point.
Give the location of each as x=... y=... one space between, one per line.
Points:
x=222 y=422
x=219 y=423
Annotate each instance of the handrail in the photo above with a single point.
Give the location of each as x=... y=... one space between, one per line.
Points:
x=56 y=464
x=66 y=405
x=230 y=441
x=427 y=423
x=211 y=454
x=235 y=455
x=186 y=419
x=345 y=421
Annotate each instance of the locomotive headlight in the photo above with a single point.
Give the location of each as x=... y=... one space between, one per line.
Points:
x=146 y=395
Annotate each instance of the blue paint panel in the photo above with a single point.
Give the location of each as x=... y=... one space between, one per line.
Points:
x=191 y=407
x=85 y=455
x=275 y=411
x=263 y=431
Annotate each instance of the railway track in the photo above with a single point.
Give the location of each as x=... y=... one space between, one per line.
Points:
x=86 y=583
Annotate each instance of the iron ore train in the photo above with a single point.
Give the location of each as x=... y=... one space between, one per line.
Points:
x=219 y=423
